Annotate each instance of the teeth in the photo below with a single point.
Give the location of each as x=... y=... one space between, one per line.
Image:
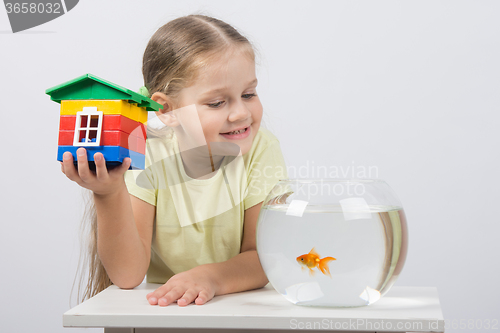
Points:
x=237 y=132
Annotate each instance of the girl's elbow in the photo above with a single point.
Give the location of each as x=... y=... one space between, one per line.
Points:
x=128 y=282
x=127 y=285
x=263 y=282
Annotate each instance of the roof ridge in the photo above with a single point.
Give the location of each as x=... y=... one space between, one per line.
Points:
x=63 y=91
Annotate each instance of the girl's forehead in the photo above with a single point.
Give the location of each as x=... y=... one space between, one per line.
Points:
x=223 y=61
x=239 y=67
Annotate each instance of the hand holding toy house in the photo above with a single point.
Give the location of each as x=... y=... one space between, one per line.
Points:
x=102 y=117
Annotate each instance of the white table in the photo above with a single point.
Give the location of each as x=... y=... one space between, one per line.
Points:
x=403 y=309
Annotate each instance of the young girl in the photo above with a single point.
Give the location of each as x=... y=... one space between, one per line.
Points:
x=188 y=221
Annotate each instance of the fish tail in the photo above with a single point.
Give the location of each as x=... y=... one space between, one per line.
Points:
x=323 y=265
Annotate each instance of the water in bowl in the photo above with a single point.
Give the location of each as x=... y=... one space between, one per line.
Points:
x=369 y=247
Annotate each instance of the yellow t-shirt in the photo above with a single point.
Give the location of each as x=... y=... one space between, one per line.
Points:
x=200 y=221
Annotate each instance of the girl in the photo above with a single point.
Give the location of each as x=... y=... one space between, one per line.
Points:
x=187 y=221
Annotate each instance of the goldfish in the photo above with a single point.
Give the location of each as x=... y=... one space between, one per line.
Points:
x=312 y=260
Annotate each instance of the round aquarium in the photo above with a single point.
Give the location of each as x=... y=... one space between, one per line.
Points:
x=331 y=242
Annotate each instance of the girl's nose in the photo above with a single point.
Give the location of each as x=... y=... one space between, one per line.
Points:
x=239 y=112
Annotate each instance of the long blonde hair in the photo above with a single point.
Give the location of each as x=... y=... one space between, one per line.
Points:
x=172 y=59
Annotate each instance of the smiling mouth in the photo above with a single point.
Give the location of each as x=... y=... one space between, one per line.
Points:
x=243 y=130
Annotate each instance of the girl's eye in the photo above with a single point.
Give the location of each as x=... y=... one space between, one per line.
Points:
x=248 y=96
x=215 y=105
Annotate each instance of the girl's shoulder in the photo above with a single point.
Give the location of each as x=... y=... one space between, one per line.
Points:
x=263 y=140
x=264 y=135
x=161 y=144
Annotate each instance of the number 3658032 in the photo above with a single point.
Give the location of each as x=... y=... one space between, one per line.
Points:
x=32 y=7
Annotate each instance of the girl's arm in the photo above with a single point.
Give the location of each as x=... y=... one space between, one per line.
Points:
x=244 y=271
x=124 y=223
x=202 y=283
x=125 y=229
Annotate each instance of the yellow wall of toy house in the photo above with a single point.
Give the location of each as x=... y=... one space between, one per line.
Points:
x=124 y=108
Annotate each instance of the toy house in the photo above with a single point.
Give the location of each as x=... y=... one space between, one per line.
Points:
x=102 y=117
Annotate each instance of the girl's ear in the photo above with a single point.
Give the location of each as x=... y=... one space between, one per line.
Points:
x=166 y=114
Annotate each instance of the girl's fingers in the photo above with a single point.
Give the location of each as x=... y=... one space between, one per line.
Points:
x=99 y=181
x=162 y=297
x=120 y=170
x=126 y=164
x=100 y=167
x=203 y=297
x=171 y=297
x=157 y=294
x=83 y=165
x=69 y=168
x=188 y=297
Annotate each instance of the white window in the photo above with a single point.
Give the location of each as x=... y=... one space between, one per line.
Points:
x=88 y=127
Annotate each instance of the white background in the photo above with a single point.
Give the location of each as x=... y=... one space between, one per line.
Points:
x=409 y=87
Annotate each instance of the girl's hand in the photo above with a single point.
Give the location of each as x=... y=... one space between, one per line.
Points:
x=101 y=181
x=195 y=285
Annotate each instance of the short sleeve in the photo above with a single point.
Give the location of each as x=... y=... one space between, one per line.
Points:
x=144 y=184
x=140 y=183
x=265 y=170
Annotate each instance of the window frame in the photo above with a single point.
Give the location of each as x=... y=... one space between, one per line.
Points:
x=89 y=112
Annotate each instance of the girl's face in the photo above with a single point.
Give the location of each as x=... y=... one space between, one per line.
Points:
x=225 y=97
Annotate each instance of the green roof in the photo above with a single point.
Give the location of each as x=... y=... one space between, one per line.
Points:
x=89 y=86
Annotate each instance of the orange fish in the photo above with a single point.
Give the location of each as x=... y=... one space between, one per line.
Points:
x=312 y=260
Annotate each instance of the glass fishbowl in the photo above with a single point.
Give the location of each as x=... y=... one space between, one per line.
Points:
x=332 y=242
